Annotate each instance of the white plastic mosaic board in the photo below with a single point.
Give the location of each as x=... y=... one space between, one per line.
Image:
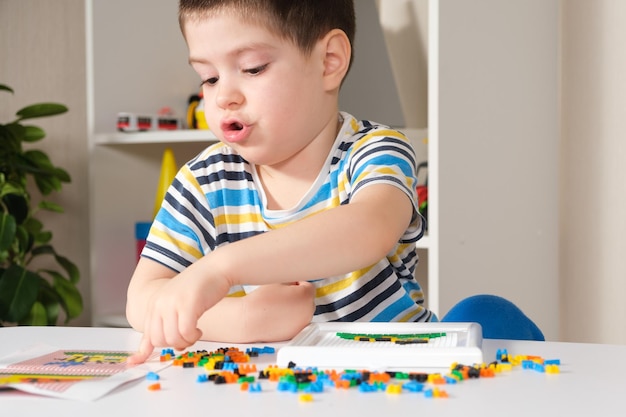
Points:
x=319 y=345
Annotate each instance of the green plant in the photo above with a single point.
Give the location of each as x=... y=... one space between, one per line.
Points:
x=31 y=294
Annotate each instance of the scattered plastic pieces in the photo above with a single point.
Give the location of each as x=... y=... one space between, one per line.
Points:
x=232 y=366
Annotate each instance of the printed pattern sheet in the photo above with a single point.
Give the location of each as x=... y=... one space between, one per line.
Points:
x=69 y=373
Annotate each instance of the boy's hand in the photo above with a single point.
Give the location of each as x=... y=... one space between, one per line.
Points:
x=173 y=312
x=274 y=312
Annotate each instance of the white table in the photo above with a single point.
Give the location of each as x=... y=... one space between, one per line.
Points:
x=592 y=382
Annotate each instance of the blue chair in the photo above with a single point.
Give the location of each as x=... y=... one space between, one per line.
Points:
x=499 y=318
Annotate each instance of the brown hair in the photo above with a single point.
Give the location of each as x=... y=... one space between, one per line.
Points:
x=303 y=22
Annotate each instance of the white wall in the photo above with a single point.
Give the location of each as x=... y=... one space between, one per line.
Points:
x=593 y=173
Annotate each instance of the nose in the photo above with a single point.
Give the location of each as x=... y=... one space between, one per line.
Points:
x=228 y=95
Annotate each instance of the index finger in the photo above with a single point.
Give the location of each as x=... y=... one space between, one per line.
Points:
x=144 y=352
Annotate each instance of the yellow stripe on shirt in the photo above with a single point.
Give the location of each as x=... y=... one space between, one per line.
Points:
x=382 y=133
x=191 y=250
x=238 y=218
x=411 y=314
x=342 y=284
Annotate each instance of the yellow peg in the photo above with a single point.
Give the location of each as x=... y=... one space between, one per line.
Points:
x=168 y=172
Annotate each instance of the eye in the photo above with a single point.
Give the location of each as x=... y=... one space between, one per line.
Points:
x=209 y=81
x=256 y=70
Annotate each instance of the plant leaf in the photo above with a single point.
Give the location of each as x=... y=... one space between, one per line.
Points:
x=50 y=300
x=69 y=267
x=39 y=159
x=50 y=206
x=17 y=205
x=47 y=184
x=18 y=293
x=53 y=311
x=33 y=134
x=33 y=225
x=37 y=316
x=43 y=238
x=71 y=300
x=25 y=241
x=10 y=188
x=40 y=110
x=7 y=231
x=4 y=87
x=9 y=135
x=43 y=250
x=62 y=174
x=47 y=177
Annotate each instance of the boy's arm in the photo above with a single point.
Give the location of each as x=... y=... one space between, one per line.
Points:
x=334 y=242
x=270 y=313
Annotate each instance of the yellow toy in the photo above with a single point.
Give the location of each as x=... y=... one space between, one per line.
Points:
x=195 y=112
x=168 y=172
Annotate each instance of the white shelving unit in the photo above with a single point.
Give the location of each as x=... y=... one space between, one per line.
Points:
x=156 y=136
x=492 y=146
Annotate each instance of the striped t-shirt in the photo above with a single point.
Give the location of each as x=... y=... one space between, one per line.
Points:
x=217 y=198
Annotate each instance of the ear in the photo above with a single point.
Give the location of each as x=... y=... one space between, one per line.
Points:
x=336 y=58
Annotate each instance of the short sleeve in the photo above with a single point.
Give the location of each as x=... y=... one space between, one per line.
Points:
x=385 y=156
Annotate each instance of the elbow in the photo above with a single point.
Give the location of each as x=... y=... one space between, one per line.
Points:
x=133 y=319
x=380 y=227
x=134 y=314
x=381 y=242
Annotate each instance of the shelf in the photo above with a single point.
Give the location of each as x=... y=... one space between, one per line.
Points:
x=155 y=136
x=417 y=136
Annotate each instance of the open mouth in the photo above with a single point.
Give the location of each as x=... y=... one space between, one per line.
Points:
x=232 y=126
x=235 y=126
x=234 y=130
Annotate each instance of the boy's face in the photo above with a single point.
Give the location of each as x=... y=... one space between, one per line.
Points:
x=263 y=96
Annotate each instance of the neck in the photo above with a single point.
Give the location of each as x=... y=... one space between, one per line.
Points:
x=285 y=183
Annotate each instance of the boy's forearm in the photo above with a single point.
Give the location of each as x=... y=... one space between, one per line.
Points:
x=271 y=313
x=331 y=243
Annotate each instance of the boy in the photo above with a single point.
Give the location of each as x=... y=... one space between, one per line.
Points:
x=314 y=208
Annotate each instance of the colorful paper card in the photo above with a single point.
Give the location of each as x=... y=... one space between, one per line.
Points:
x=70 y=373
